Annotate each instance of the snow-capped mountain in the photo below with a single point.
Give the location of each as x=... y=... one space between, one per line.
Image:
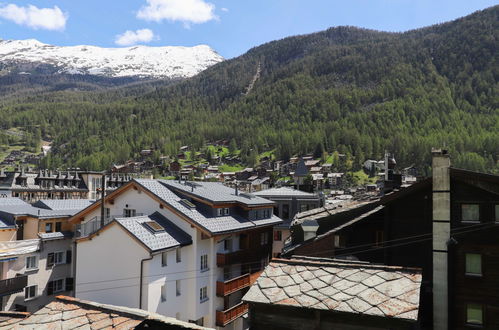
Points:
x=137 y=61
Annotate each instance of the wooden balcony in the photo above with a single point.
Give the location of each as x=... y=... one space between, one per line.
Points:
x=242 y=256
x=229 y=315
x=13 y=285
x=233 y=285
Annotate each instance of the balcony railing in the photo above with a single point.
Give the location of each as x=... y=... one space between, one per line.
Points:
x=235 y=284
x=241 y=256
x=94 y=224
x=229 y=315
x=13 y=285
x=227 y=287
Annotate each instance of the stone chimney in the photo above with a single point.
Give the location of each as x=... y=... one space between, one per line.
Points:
x=441 y=236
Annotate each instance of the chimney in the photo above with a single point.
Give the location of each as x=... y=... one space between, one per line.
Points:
x=237 y=189
x=441 y=236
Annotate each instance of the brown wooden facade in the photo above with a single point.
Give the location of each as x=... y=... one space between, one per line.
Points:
x=401 y=234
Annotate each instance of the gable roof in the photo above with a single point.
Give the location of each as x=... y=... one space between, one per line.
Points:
x=68 y=313
x=339 y=286
x=172 y=236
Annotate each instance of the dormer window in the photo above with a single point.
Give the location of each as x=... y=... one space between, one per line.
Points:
x=223 y=211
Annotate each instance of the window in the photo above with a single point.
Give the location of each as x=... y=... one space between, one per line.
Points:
x=473 y=264
x=164 y=259
x=204 y=262
x=48 y=227
x=127 y=213
x=55 y=286
x=107 y=212
x=264 y=238
x=203 y=294
x=55 y=258
x=278 y=235
x=497 y=212
x=30 y=292
x=223 y=211
x=470 y=212
x=474 y=314
x=179 y=255
x=339 y=241
x=379 y=238
x=285 y=211
x=31 y=262
x=58 y=226
x=303 y=207
x=228 y=244
x=163 y=293
x=177 y=286
x=266 y=213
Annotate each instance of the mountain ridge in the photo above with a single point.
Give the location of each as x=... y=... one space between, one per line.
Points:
x=171 y=62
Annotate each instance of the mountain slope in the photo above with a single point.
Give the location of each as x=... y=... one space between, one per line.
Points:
x=348 y=89
x=137 y=61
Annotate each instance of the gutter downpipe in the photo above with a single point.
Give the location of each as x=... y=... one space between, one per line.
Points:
x=141 y=278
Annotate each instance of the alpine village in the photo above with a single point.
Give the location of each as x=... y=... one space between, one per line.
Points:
x=344 y=179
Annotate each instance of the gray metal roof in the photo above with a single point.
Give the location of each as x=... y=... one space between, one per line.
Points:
x=216 y=192
x=63 y=204
x=17 y=210
x=12 y=201
x=284 y=192
x=212 y=224
x=172 y=236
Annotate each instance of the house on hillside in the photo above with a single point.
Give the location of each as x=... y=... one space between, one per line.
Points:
x=288 y=202
x=190 y=249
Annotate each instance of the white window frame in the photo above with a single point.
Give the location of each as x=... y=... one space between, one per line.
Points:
x=27 y=290
x=30 y=264
x=164 y=259
x=62 y=289
x=129 y=213
x=223 y=211
x=204 y=263
x=62 y=258
x=203 y=294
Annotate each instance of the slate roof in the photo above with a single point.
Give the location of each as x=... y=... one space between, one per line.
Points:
x=17 y=210
x=339 y=286
x=301 y=168
x=172 y=235
x=216 y=192
x=69 y=313
x=12 y=201
x=214 y=225
x=63 y=204
x=284 y=192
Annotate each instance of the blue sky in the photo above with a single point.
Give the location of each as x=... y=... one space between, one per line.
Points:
x=231 y=27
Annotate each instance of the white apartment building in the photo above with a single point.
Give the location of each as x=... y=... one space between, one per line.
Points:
x=182 y=249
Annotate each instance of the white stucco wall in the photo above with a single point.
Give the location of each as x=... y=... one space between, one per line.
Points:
x=108 y=268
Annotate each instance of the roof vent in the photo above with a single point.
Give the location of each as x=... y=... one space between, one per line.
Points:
x=187 y=203
x=153 y=226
